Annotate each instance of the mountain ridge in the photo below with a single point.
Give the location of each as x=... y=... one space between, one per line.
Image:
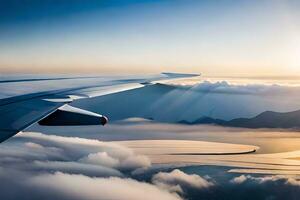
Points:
x=267 y=119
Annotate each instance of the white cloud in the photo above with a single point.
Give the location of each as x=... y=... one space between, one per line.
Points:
x=33 y=145
x=83 y=187
x=253 y=89
x=84 y=169
x=239 y=179
x=101 y=158
x=80 y=152
x=131 y=162
x=135 y=162
x=266 y=179
x=176 y=180
x=76 y=168
x=92 y=169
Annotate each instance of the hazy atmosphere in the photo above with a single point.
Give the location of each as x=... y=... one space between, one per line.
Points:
x=149 y=99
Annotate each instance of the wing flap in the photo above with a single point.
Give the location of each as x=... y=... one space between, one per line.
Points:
x=71 y=116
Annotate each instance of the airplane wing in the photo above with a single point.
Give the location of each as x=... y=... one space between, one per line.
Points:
x=51 y=107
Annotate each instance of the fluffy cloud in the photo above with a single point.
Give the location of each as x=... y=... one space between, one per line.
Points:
x=266 y=179
x=135 y=162
x=46 y=167
x=101 y=158
x=43 y=166
x=239 y=179
x=76 y=168
x=131 y=162
x=177 y=180
x=223 y=87
x=70 y=154
x=83 y=187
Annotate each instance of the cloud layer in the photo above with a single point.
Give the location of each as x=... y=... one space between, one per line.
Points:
x=43 y=166
x=71 y=154
x=40 y=166
x=84 y=187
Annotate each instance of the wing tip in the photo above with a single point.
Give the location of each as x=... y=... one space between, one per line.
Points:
x=179 y=75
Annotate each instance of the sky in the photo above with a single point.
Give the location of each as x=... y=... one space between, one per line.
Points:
x=216 y=38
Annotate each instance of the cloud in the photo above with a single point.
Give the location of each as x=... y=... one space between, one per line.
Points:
x=46 y=167
x=80 y=152
x=40 y=153
x=43 y=166
x=131 y=162
x=135 y=162
x=266 y=179
x=99 y=188
x=81 y=161
x=223 y=87
x=76 y=168
x=239 y=179
x=177 y=180
x=101 y=158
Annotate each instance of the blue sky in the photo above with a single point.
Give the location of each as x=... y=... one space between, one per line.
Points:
x=146 y=36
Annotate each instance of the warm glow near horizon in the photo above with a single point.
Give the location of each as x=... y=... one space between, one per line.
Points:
x=240 y=38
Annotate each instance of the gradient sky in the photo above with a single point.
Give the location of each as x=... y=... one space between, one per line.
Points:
x=230 y=37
